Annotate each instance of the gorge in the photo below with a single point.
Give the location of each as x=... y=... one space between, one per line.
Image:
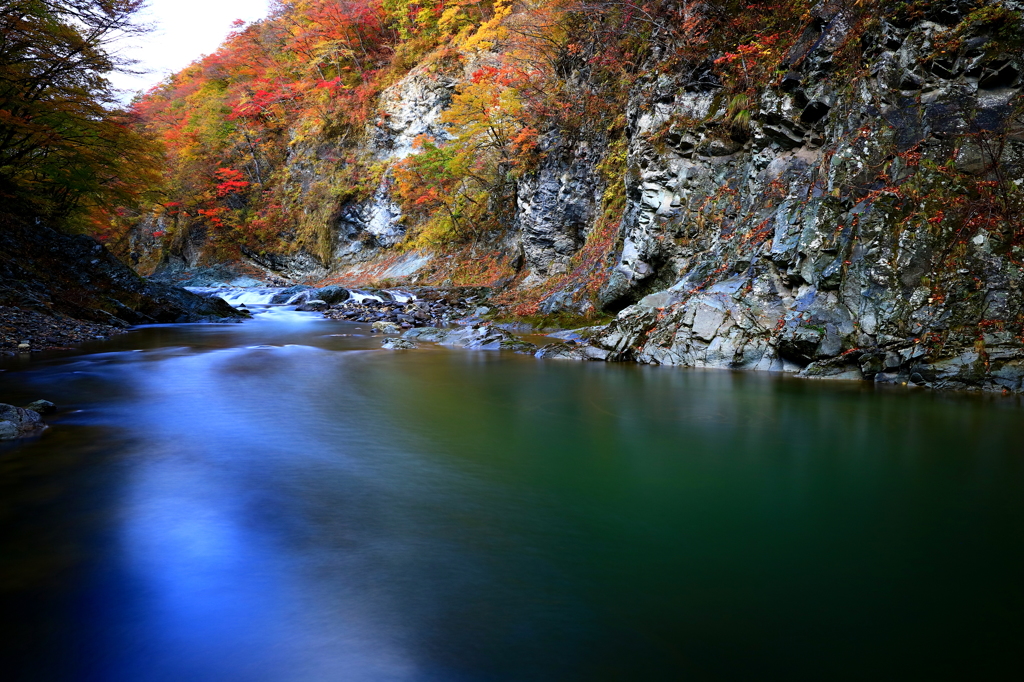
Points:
x=473 y=340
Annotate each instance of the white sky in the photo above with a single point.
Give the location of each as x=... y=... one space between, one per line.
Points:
x=184 y=30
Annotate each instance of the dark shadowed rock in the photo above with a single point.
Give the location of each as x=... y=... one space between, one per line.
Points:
x=17 y=422
x=42 y=407
x=333 y=294
x=51 y=273
x=313 y=306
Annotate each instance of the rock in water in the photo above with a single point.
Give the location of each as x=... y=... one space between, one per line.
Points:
x=397 y=344
x=288 y=294
x=17 y=422
x=314 y=306
x=476 y=337
x=333 y=294
x=565 y=351
x=42 y=407
x=8 y=431
x=386 y=328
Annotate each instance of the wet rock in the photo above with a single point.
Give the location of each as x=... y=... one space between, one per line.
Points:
x=397 y=344
x=53 y=274
x=42 y=407
x=431 y=334
x=291 y=293
x=386 y=327
x=517 y=345
x=834 y=368
x=576 y=335
x=48 y=330
x=476 y=337
x=313 y=306
x=565 y=351
x=17 y=422
x=432 y=306
x=333 y=294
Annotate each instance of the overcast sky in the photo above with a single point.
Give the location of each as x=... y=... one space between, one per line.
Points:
x=184 y=30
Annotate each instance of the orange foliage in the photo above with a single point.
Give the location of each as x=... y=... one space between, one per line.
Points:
x=227 y=121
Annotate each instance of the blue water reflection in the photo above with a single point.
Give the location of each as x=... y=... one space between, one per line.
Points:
x=272 y=501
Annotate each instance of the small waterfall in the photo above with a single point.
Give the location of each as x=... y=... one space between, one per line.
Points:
x=386 y=294
x=362 y=296
x=402 y=296
x=241 y=296
x=250 y=296
x=269 y=304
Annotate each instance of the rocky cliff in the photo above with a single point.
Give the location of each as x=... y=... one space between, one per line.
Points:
x=865 y=228
x=854 y=213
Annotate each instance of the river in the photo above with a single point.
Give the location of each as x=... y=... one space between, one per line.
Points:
x=282 y=501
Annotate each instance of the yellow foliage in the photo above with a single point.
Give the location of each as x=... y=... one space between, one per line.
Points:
x=490 y=31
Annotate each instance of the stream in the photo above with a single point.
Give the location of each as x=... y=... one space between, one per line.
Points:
x=283 y=501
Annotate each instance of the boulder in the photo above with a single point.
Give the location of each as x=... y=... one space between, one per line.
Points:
x=313 y=306
x=566 y=351
x=386 y=327
x=17 y=422
x=42 y=407
x=333 y=294
x=288 y=294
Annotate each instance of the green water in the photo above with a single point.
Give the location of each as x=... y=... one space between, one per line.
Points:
x=270 y=502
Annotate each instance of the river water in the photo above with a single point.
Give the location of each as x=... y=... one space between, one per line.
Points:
x=281 y=501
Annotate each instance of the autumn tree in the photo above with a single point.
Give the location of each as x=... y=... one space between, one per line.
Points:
x=462 y=186
x=66 y=147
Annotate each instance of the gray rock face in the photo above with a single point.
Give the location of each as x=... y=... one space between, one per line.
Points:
x=413 y=107
x=291 y=266
x=409 y=108
x=557 y=205
x=781 y=240
x=361 y=229
x=17 y=422
x=786 y=246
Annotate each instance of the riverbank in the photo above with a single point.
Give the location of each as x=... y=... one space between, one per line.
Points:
x=24 y=331
x=58 y=290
